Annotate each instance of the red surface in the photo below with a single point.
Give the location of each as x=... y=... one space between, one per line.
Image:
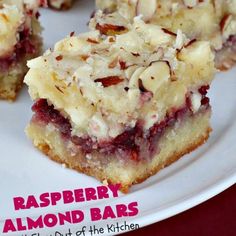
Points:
x=216 y=217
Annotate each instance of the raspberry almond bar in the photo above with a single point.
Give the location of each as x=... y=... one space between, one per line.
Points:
x=20 y=41
x=211 y=20
x=121 y=102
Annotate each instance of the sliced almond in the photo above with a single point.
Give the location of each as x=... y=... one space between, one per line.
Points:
x=130 y=70
x=228 y=26
x=190 y=3
x=98 y=127
x=169 y=32
x=180 y=40
x=133 y=83
x=155 y=75
x=225 y=22
x=199 y=53
x=195 y=102
x=109 y=81
x=109 y=29
x=146 y=8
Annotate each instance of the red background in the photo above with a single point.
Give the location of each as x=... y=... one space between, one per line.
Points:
x=216 y=217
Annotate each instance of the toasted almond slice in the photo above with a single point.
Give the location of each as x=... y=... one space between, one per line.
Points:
x=225 y=22
x=109 y=29
x=190 y=3
x=133 y=83
x=199 y=53
x=155 y=75
x=147 y=9
x=109 y=81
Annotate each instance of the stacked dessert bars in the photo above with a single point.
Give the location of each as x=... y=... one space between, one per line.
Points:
x=20 y=40
x=211 y=20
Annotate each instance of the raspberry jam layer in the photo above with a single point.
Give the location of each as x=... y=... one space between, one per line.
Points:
x=134 y=143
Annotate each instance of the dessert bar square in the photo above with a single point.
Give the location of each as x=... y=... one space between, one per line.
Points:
x=20 y=40
x=213 y=20
x=121 y=101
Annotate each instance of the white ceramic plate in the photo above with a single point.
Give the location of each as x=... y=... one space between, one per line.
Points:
x=188 y=182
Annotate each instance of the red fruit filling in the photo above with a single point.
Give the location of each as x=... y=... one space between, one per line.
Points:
x=47 y=114
x=133 y=143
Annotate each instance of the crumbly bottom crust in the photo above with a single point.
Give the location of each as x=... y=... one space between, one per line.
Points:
x=10 y=85
x=183 y=138
x=12 y=80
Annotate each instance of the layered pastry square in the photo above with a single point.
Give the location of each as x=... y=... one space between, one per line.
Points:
x=19 y=41
x=121 y=101
x=60 y=4
x=212 y=20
